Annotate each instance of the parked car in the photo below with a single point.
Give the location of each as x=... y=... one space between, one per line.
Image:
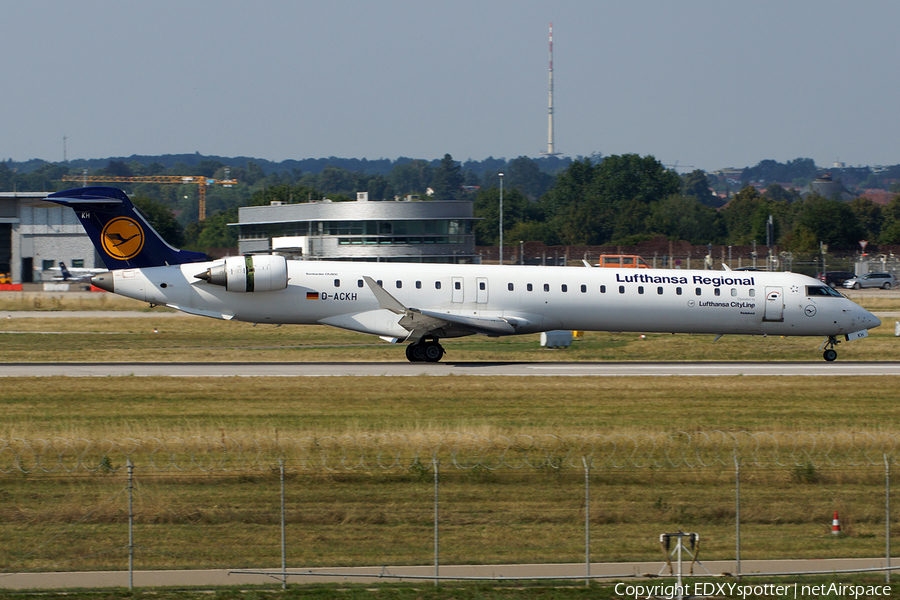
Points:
x=872 y=280
x=835 y=278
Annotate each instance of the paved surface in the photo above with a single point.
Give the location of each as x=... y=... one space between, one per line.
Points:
x=225 y=577
x=405 y=369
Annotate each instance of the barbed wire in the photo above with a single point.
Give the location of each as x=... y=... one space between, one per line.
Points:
x=387 y=452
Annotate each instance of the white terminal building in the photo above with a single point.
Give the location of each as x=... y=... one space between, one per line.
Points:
x=400 y=231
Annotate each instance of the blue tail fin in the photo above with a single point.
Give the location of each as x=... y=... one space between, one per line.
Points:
x=121 y=234
x=64 y=272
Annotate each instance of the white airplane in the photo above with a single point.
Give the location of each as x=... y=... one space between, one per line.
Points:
x=76 y=274
x=421 y=304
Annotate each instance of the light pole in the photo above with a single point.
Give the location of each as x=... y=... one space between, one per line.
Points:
x=501 y=218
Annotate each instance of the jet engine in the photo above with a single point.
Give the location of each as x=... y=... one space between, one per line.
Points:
x=251 y=273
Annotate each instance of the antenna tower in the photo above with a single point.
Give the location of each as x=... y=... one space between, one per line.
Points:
x=550 y=150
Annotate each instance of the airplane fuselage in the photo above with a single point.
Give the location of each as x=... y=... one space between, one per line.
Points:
x=529 y=298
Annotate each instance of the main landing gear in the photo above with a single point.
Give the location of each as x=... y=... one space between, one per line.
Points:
x=425 y=351
x=830 y=353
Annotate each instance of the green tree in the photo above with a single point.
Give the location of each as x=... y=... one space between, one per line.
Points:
x=335 y=180
x=696 y=185
x=685 y=218
x=524 y=174
x=869 y=216
x=890 y=231
x=214 y=232
x=161 y=219
x=447 y=180
x=413 y=177
x=627 y=186
x=516 y=209
x=829 y=221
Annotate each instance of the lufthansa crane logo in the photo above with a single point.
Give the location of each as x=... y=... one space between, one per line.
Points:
x=122 y=238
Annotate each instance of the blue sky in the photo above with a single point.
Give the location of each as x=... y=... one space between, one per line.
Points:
x=706 y=83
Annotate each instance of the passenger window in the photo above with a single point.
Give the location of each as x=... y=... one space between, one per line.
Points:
x=678 y=291
x=529 y=287
x=437 y=285
x=399 y=284
x=659 y=290
x=752 y=293
x=418 y=285
x=510 y=286
x=602 y=289
x=359 y=283
x=640 y=289
x=337 y=283
x=546 y=287
x=583 y=289
x=697 y=291
x=621 y=289
x=482 y=285
x=718 y=292
x=565 y=288
x=734 y=291
x=457 y=285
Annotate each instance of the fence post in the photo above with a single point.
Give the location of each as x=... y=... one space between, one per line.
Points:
x=283 y=532
x=434 y=462
x=130 y=525
x=587 y=521
x=887 y=519
x=737 y=516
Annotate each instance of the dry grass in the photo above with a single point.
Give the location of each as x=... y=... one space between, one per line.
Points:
x=127 y=407
x=196 y=339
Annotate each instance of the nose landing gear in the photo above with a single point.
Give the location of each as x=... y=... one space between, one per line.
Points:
x=425 y=351
x=830 y=353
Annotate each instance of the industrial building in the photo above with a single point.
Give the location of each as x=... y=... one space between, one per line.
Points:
x=35 y=236
x=400 y=231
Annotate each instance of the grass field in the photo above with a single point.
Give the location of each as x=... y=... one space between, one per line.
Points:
x=192 y=519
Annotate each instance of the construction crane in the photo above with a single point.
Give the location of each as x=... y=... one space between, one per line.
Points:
x=198 y=179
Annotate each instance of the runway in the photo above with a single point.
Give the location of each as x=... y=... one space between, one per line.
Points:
x=443 y=369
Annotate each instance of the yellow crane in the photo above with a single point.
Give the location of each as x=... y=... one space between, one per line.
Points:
x=198 y=179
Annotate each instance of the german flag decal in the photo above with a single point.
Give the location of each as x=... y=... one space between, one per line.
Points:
x=312 y=295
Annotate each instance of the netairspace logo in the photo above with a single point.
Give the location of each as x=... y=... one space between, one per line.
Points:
x=735 y=590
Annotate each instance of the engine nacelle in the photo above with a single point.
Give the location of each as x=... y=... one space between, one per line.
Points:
x=251 y=273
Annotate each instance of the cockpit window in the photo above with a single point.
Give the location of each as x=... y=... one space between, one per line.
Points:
x=821 y=290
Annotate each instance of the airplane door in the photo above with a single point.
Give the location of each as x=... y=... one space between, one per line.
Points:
x=457 y=289
x=481 y=290
x=774 y=304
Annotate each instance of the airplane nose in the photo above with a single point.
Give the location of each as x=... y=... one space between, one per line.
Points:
x=870 y=318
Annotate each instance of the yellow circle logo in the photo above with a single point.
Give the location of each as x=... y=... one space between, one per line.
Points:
x=122 y=238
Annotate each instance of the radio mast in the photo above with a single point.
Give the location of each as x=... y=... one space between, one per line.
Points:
x=550 y=150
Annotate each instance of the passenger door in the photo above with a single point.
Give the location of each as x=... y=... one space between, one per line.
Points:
x=774 y=304
x=481 y=290
x=457 y=289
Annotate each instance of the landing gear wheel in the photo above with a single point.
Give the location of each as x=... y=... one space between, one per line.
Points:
x=434 y=352
x=415 y=353
x=830 y=353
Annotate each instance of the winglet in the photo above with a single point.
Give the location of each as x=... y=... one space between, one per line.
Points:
x=385 y=300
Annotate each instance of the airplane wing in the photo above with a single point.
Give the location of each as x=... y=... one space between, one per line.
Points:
x=420 y=323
